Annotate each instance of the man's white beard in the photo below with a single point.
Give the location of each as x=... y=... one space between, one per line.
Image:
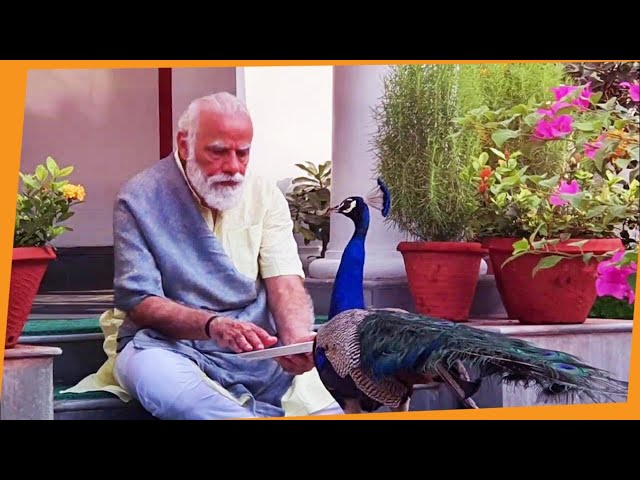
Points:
x=214 y=195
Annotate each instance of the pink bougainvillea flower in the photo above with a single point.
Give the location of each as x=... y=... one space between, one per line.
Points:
x=555 y=128
x=612 y=279
x=634 y=90
x=583 y=101
x=562 y=91
x=591 y=148
x=553 y=109
x=565 y=188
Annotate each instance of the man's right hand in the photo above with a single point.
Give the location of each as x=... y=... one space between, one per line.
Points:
x=239 y=336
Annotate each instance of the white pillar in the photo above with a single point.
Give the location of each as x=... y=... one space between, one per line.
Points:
x=356 y=90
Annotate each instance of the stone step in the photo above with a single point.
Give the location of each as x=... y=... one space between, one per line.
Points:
x=80 y=339
x=95 y=406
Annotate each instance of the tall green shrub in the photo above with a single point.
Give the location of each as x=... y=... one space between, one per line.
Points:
x=417 y=153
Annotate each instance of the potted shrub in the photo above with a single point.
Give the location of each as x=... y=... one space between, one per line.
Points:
x=42 y=206
x=560 y=226
x=418 y=159
x=309 y=200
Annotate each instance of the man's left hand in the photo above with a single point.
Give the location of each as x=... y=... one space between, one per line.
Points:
x=300 y=363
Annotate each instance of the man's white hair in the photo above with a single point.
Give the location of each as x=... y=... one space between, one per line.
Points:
x=220 y=102
x=210 y=189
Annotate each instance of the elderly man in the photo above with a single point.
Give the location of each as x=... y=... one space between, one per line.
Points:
x=206 y=266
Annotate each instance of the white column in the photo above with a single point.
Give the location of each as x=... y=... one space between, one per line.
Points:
x=356 y=89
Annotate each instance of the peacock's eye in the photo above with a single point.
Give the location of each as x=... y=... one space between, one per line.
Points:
x=351 y=206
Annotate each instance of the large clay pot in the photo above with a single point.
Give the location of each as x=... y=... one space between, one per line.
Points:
x=562 y=294
x=443 y=276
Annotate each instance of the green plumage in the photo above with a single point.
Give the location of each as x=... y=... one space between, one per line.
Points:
x=394 y=343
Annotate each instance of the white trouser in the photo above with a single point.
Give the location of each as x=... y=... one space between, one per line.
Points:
x=171 y=387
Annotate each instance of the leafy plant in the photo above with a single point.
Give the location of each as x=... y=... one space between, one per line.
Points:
x=485 y=88
x=595 y=195
x=608 y=78
x=610 y=307
x=417 y=155
x=44 y=204
x=309 y=202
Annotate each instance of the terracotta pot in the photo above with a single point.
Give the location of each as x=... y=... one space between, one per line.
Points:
x=563 y=294
x=27 y=271
x=494 y=267
x=442 y=276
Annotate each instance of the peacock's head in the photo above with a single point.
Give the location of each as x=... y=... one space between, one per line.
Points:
x=352 y=207
x=356 y=208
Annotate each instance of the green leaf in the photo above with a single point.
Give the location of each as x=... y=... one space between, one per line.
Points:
x=29 y=181
x=631 y=280
x=501 y=136
x=586 y=258
x=622 y=162
x=52 y=166
x=532 y=119
x=580 y=243
x=597 y=211
x=306 y=169
x=498 y=153
x=65 y=171
x=546 y=262
x=521 y=246
x=585 y=126
x=619 y=211
x=577 y=200
x=41 y=173
x=550 y=182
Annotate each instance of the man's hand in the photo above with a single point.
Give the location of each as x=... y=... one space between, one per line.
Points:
x=293 y=312
x=297 y=364
x=239 y=336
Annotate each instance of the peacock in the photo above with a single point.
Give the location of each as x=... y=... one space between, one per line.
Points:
x=368 y=358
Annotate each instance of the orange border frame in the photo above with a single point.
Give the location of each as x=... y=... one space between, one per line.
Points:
x=12 y=98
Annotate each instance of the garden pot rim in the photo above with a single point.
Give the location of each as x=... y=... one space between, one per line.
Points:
x=442 y=246
x=599 y=246
x=45 y=252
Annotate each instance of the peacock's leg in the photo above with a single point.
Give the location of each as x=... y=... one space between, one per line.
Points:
x=448 y=378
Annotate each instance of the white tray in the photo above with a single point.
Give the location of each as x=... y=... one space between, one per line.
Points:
x=293 y=349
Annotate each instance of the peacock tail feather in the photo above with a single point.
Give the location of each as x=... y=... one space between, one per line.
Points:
x=393 y=343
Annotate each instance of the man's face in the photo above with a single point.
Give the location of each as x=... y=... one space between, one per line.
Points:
x=217 y=162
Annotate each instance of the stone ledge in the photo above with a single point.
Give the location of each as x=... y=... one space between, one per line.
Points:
x=27 y=382
x=31 y=351
x=515 y=328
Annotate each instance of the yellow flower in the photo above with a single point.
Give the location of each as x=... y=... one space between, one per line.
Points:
x=73 y=192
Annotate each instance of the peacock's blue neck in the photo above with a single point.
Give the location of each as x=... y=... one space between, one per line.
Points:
x=348 y=288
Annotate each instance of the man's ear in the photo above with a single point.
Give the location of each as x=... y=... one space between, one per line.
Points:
x=182 y=145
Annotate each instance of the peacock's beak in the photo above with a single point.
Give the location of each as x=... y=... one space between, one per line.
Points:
x=333 y=209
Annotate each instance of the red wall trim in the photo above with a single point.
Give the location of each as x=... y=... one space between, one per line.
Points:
x=165 y=111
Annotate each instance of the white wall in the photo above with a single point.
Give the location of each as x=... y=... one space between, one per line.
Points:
x=190 y=83
x=292 y=115
x=105 y=123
